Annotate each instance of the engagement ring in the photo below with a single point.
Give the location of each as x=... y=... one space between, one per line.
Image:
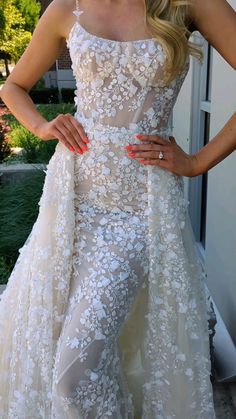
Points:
x=161 y=155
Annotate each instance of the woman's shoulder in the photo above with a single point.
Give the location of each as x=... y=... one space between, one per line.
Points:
x=62 y=5
x=61 y=14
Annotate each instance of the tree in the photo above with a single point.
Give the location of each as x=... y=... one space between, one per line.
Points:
x=30 y=9
x=18 y=19
x=13 y=36
x=2 y=20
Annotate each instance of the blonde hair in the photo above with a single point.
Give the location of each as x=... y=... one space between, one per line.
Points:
x=167 y=21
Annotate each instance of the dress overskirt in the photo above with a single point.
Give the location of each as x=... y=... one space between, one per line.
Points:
x=164 y=343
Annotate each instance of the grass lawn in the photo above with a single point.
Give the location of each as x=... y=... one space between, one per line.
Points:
x=19 y=201
x=18 y=212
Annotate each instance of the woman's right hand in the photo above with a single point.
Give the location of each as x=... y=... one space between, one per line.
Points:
x=66 y=129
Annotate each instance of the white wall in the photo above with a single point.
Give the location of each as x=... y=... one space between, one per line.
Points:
x=65 y=79
x=221 y=202
x=50 y=78
x=182 y=116
x=220 y=251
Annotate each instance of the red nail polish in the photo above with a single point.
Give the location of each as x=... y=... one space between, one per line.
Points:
x=138 y=136
x=142 y=161
x=86 y=140
x=128 y=147
x=71 y=149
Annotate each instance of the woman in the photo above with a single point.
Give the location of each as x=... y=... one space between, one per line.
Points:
x=104 y=314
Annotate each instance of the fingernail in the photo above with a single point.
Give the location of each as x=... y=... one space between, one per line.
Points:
x=131 y=154
x=128 y=147
x=86 y=140
x=138 y=136
x=71 y=149
x=79 y=151
x=142 y=161
x=85 y=148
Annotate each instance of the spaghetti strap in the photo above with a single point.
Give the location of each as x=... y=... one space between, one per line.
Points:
x=77 y=10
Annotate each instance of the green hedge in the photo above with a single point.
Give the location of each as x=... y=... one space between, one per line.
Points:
x=67 y=95
x=45 y=95
x=51 y=95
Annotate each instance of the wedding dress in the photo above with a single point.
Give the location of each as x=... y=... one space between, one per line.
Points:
x=105 y=312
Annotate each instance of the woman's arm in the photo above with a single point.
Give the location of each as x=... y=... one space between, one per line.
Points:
x=47 y=42
x=223 y=144
x=181 y=163
x=216 y=21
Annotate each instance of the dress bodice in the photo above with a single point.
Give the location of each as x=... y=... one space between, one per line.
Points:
x=119 y=92
x=121 y=83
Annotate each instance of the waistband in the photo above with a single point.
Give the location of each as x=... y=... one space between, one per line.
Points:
x=133 y=128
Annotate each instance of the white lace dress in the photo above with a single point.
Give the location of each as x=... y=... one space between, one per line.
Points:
x=105 y=313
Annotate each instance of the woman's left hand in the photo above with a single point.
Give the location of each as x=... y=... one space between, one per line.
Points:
x=173 y=158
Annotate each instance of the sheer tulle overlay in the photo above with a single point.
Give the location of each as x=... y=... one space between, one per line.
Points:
x=105 y=312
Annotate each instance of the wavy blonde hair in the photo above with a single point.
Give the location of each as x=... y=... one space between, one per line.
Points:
x=167 y=21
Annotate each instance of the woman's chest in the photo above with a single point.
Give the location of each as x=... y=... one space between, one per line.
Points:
x=94 y=58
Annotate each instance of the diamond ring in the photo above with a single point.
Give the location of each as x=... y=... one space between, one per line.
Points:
x=161 y=155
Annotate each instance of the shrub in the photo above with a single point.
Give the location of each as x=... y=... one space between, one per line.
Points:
x=21 y=137
x=5 y=149
x=35 y=149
